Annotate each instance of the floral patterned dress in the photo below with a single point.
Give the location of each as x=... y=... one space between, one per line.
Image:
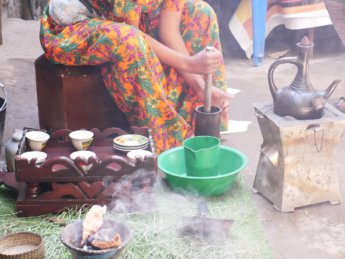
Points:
x=149 y=93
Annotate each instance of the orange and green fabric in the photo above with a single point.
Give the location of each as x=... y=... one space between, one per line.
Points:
x=149 y=93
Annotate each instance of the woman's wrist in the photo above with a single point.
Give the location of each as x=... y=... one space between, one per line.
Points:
x=186 y=64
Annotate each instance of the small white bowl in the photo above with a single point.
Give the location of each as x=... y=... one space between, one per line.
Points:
x=84 y=155
x=37 y=140
x=40 y=156
x=138 y=153
x=81 y=139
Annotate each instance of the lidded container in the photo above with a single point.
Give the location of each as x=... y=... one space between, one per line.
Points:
x=11 y=148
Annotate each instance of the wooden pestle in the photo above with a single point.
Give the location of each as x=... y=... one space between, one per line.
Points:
x=208 y=89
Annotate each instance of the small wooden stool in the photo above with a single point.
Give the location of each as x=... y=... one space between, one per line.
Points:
x=73 y=98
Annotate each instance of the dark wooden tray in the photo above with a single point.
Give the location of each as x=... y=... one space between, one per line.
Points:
x=61 y=183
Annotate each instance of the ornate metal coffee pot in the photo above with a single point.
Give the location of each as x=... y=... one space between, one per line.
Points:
x=299 y=100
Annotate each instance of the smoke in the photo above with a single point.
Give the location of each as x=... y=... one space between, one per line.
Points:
x=167 y=224
x=134 y=192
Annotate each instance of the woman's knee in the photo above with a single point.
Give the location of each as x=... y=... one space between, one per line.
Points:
x=200 y=18
x=206 y=7
x=203 y=9
x=127 y=40
x=120 y=33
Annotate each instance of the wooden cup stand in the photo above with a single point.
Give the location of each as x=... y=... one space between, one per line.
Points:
x=60 y=183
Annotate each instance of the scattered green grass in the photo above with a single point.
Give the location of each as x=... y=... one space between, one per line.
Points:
x=155 y=233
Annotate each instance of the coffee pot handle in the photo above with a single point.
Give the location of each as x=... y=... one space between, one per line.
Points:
x=2 y=87
x=271 y=83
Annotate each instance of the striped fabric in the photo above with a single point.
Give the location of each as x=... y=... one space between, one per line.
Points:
x=293 y=14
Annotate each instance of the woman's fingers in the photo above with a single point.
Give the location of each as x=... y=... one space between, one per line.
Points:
x=206 y=62
x=214 y=56
x=220 y=98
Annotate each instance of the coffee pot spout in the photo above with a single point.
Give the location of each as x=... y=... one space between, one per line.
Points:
x=327 y=93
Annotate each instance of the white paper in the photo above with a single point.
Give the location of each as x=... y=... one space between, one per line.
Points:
x=236 y=126
x=232 y=91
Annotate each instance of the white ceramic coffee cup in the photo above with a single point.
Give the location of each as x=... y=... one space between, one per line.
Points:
x=138 y=153
x=84 y=155
x=81 y=139
x=37 y=140
x=38 y=155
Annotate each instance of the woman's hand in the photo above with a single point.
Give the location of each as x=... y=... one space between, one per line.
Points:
x=205 y=62
x=221 y=99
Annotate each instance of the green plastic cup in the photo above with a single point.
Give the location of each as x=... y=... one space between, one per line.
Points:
x=201 y=155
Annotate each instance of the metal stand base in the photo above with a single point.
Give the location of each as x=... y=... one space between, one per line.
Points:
x=296 y=166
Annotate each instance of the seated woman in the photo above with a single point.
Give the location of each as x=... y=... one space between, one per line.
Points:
x=152 y=54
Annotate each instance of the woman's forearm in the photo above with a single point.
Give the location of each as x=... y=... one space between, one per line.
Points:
x=172 y=38
x=180 y=61
x=171 y=50
x=169 y=56
x=195 y=81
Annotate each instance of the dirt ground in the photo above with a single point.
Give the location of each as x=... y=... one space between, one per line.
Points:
x=316 y=231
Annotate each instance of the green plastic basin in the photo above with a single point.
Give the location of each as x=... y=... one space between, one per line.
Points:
x=172 y=164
